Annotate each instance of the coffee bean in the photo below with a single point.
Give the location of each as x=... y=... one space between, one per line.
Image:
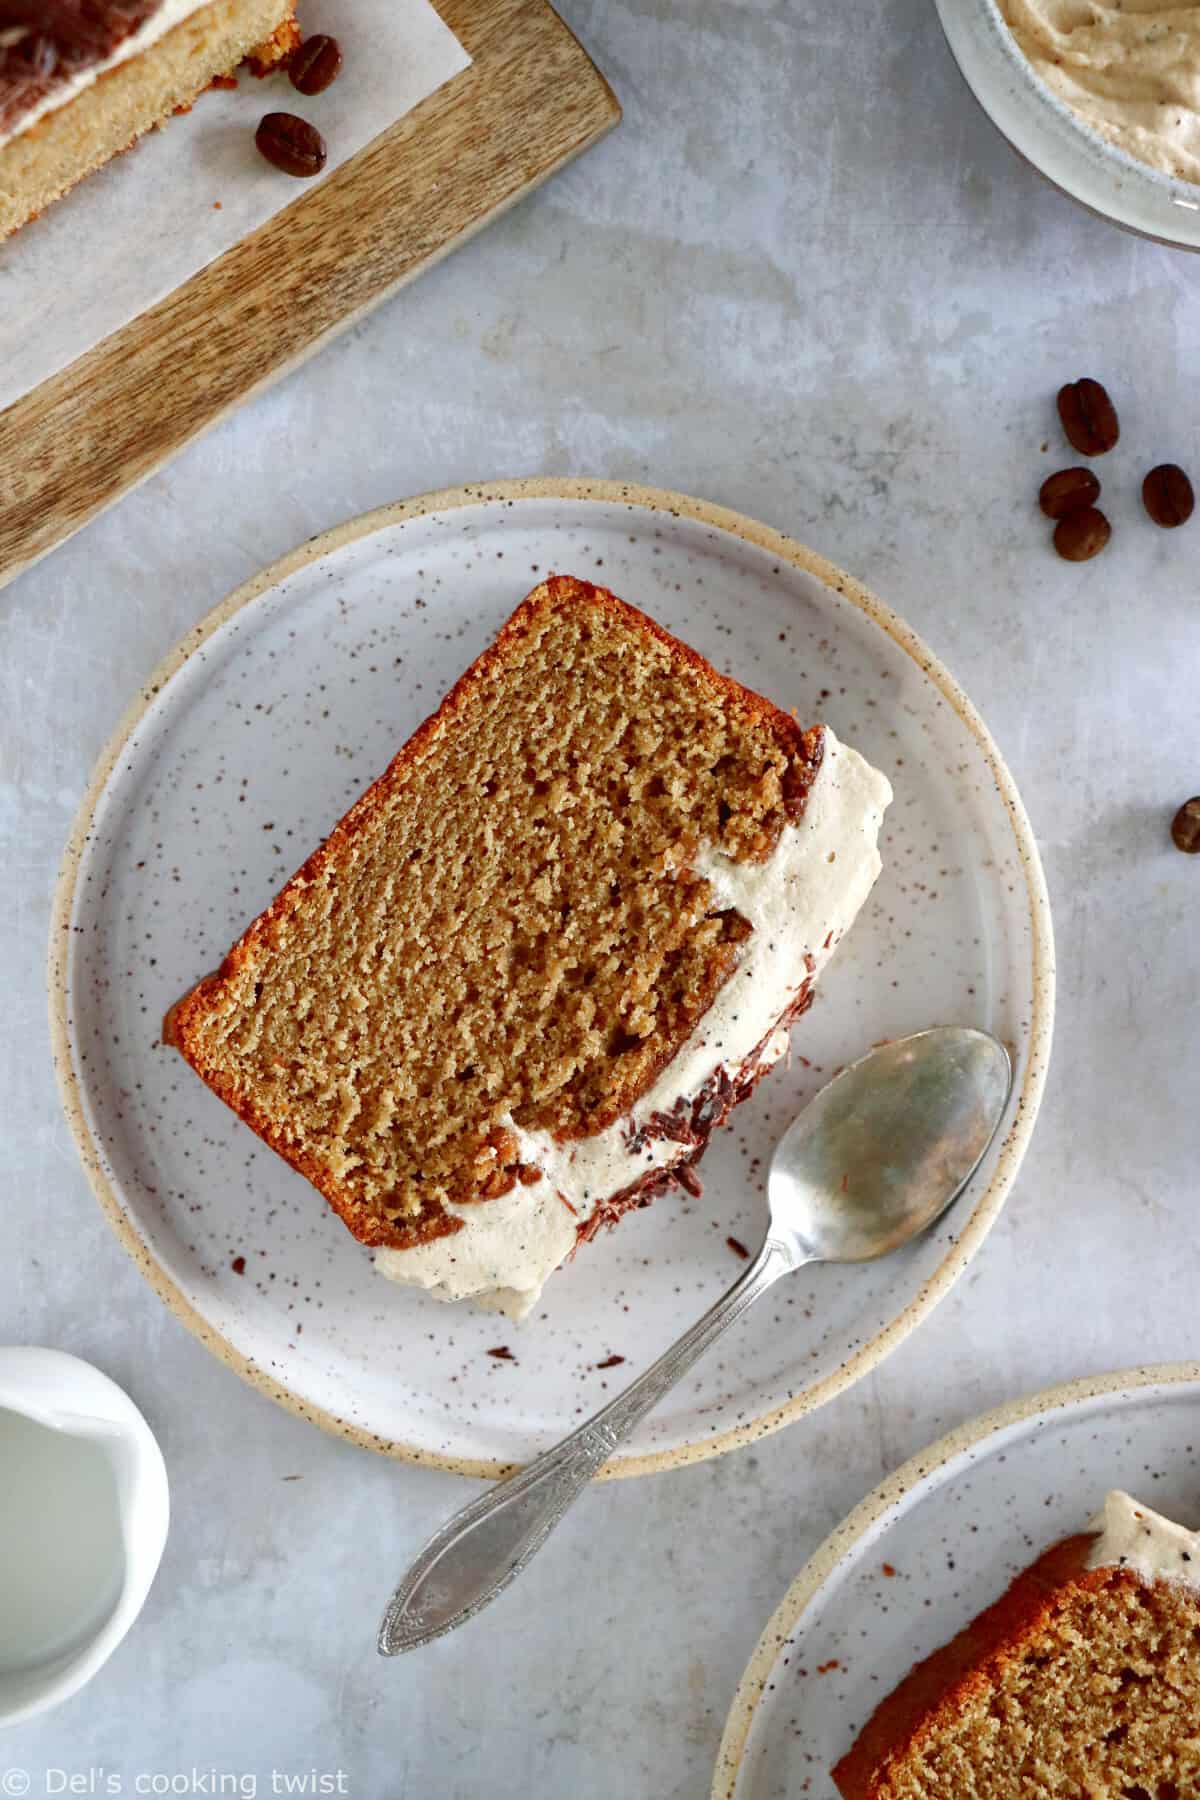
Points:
x=1068 y=491
x=1185 y=827
x=291 y=144
x=1088 y=416
x=1081 y=535
x=316 y=64
x=1167 y=495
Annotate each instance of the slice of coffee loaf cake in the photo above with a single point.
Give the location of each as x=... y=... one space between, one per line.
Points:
x=546 y=952
x=1082 y=1679
x=82 y=80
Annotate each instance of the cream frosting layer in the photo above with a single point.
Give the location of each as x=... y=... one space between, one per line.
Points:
x=800 y=903
x=1131 y=70
x=1133 y=1536
x=169 y=14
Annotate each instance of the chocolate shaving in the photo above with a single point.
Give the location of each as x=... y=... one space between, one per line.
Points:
x=502 y=1353
x=688 y=1180
x=738 y=1248
x=690 y=1124
x=610 y=1362
x=674 y=1126
x=58 y=38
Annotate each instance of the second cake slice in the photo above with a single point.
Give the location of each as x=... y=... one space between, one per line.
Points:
x=545 y=953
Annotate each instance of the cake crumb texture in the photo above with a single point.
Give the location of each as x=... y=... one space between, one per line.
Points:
x=1075 y=1683
x=504 y=927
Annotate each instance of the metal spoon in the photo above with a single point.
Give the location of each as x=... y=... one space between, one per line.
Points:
x=877 y=1157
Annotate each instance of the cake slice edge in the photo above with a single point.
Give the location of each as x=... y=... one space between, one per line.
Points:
x=1127 y=1547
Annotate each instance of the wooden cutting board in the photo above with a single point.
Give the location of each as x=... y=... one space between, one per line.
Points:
x=531 y=100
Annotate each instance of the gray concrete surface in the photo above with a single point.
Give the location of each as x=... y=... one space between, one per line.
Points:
x=806 y=279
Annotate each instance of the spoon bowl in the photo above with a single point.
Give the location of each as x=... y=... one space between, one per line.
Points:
x=873 y=1161
x=887 y=1146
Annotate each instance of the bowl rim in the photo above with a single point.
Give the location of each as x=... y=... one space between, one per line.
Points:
x=1023 y=1106
x=922 y=1464
x=1016 y=116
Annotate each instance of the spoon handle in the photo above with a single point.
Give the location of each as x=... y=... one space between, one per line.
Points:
x=486 y=1545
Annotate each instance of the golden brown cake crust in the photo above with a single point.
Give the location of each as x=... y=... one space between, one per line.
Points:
x=189 y=1021
x=266 y=57
x=934 y=1687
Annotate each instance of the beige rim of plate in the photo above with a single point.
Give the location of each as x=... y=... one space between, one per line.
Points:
x=784 y=549
x=820 y=1566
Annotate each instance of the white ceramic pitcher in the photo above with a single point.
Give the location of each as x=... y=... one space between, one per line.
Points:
x=84 y=1506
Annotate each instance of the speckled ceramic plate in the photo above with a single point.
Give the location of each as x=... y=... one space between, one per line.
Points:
x=243 y=751
x=1056 y=140
x=934 y=1545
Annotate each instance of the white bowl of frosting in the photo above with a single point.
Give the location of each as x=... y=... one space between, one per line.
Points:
x=1104 y=100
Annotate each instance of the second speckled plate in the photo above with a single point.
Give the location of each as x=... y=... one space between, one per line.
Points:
x=243 y=751
x=936 y=1543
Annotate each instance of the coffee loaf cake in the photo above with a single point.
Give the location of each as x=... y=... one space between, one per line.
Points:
x=1083 y=1679
x=81 y=80
x=545 y=953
